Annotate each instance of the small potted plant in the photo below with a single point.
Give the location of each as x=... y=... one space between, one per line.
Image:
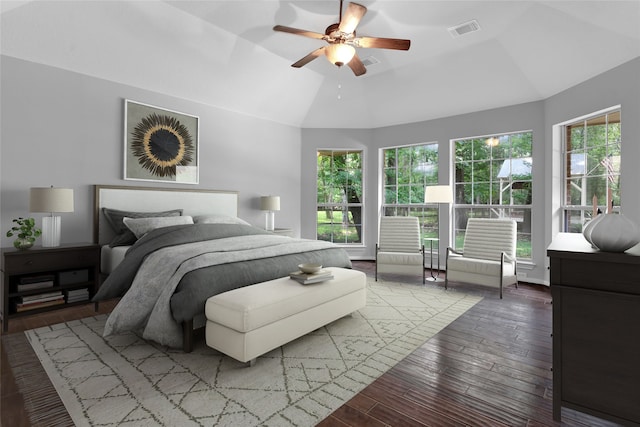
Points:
x=26 y=231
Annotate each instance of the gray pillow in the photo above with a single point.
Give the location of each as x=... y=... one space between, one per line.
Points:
x=124 y=236
x=218 y=219
x=141 y=226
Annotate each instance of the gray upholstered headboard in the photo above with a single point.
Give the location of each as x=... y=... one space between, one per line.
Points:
x=155 y=199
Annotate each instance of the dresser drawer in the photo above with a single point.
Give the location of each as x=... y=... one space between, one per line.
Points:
x=44 y=261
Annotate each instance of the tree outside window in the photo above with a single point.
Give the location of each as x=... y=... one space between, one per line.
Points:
x=493 y=179
x=592 y=150
x=407 y=170
x=339 y=196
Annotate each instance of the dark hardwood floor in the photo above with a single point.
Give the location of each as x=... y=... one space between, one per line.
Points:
x=490 y=367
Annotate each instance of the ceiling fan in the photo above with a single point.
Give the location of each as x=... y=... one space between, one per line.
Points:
x=342 y=41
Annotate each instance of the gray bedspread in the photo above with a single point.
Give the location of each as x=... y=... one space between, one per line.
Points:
x=168 y=275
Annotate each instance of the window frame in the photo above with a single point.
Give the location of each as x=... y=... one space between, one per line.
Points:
x=426 y=213
x=345 y=205
x=586 y=210
x=522 y=212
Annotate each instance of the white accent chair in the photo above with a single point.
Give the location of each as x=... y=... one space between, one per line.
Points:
x=489 y=254
x=399 y=249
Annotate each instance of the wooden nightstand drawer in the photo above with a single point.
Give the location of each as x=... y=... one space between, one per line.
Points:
x=43 y=261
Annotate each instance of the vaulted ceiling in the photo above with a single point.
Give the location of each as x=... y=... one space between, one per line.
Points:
x=225 y=53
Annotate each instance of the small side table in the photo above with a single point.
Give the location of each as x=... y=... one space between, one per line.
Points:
x=61 y=269
x=436 y=277
x=283 y=231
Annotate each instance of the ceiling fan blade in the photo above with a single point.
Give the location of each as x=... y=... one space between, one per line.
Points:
x=357 y=66
x=382 y=43
x=351 y=18
x=310 y=57
x=298 y=32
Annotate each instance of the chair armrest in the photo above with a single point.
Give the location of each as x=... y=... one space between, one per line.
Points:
x=509 y=258
x=454 y=252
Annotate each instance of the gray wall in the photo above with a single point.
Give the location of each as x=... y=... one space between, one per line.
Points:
x=509 y=119
x=618 y=86
x=65 y=129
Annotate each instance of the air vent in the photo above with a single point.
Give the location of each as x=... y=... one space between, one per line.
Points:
x=462 y=29
x=370 y=60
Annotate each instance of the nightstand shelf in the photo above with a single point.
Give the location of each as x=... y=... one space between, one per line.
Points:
x=71 y=271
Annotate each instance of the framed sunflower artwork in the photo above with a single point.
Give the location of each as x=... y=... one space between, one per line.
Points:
x=159 y=144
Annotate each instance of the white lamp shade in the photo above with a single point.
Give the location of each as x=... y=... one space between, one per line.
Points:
x=270 y=203
x=50 y=199
x=438 y=194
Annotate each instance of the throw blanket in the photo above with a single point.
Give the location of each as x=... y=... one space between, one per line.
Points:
x=161 y=262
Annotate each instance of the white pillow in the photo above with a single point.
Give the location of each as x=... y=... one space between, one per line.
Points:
x=141 y=226
x=218 y=219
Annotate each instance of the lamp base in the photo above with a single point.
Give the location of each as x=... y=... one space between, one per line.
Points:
x=51 y=231
x=269 y=224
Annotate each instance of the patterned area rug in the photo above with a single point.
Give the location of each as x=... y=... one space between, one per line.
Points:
x=124 y=380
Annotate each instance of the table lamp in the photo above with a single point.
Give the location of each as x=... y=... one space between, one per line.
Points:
x=270 y=204
x=51 y=200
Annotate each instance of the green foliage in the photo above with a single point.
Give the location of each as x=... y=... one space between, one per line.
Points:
x=591 y=146
x=490 y=174
x=338 y=227
x=407 y=170
x=339 y=196
x=25 y=228
x=495 y=180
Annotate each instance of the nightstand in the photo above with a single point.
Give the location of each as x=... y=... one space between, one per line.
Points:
x=283 y=231
x=44 y=279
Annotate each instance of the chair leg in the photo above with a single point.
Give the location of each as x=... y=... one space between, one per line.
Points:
x=376 y=262
x=424 y=275
x=446 y=268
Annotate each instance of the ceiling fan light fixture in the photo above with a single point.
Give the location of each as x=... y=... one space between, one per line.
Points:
x=339 y=53
x=493 y=141
x=341 y=39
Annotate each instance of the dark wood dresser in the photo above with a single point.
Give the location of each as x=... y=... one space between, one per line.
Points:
x=596 y=330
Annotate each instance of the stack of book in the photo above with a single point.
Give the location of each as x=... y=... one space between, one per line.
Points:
x=32 y=302
x=309 y=278
x=29 y=283
x=76 y=295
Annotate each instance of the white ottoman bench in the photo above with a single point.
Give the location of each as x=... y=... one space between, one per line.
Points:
x=247 y=322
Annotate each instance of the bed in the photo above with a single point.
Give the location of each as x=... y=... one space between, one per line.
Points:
x=182 y=247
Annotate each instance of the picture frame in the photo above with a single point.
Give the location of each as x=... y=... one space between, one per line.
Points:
x=160 y=145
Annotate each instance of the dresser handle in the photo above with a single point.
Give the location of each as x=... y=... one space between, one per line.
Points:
x=29 y=262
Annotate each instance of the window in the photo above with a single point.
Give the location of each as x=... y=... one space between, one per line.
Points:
x=591 y=152
x=339 y=196
x=407 y=170
x=493 y=180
